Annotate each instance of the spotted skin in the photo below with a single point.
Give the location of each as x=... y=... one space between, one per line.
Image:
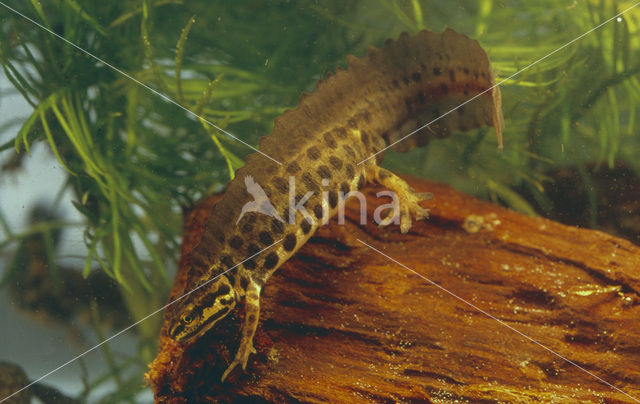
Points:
x=351 y=116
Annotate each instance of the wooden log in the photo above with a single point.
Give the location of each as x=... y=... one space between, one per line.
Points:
x=341 y=322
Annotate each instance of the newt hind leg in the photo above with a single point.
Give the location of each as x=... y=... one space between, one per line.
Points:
x=409 y=199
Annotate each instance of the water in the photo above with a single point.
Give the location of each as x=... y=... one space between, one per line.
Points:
x=137 y=160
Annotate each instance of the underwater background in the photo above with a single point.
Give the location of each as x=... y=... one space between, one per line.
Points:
x=97 y=170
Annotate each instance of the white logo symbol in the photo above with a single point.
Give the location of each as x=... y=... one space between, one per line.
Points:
x=260 y=203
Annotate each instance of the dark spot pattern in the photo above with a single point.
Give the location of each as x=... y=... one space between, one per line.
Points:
x=329 y=140
x=416 y=77
x=344 y=188
x=223 y=290
x=271 y=260
x=444 y=88
x=208 y=301
x=361 y=181
x=253 y=249
x=313 y=153
x=267 y=190
x=352 y=123
x=227 y=261
x=452 y=76
x=395 y=83
x=364 y=136
x=421 y=97
x=324 y=172
x=249 y=264
x=310 y=183
x=277 y=227
x=289 y=242
x=293 y=168
x=318 y=211
x=437 y=71
x=333 y=198
x=235 y=242
x=349 y=151
x=265 y=238
x=305 y=226
x=244 y=282
x=246 y=226
x=350 y=171
x=281 y=185
x=335 y=162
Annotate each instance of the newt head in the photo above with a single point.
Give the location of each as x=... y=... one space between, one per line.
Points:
x=202 y=309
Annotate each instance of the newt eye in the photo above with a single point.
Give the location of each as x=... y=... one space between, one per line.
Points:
x=187 y=319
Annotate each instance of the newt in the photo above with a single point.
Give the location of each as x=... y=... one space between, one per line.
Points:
x=325 y=145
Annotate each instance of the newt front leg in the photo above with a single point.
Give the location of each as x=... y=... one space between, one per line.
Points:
x=409 y=200
x=252 y=313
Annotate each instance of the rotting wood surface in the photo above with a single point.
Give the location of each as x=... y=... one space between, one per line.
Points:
x=342 y=323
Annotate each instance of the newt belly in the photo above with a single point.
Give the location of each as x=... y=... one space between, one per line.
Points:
x=325 y=146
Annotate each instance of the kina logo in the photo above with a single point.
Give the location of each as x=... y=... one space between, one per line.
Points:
x=260 y=203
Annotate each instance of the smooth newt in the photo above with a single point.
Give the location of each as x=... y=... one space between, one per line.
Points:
x=350 y=116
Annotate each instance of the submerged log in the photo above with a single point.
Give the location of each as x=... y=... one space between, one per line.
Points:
x=481 y=304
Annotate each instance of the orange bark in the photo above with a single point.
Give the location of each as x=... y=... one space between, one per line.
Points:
x=343 y=323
